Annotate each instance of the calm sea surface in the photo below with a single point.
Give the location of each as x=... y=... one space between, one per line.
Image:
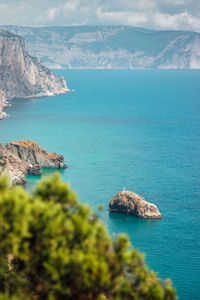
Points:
x=139 y=129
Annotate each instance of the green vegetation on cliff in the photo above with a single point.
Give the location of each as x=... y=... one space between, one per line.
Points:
x=53 y=247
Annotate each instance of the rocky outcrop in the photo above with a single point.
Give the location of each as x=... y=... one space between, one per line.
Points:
x=33 y=154
x=23 y=76
x=34 y=170
x=12 y=166
x=129 y=203
x=21 y=158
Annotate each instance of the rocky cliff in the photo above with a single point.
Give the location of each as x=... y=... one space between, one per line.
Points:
x=20 y=158
x=12 y=166
x=23 y=76
x=3 y=103
x=33 y=154
x=111 y=47
x=130 y=203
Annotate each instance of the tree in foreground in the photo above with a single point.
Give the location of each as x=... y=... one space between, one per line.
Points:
x=53 y=247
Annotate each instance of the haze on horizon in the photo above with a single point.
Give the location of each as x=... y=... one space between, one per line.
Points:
x=152 y=14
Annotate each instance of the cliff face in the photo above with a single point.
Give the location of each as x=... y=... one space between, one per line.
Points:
x=20 y=158
x=23 y=76
x=111 y=47
x=33 y=154
x=12 y=166
x=3 y=103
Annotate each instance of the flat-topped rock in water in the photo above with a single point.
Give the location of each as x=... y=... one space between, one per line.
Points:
x=19 y=158
x=130 y=203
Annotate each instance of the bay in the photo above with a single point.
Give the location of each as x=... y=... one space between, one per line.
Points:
x=134 y=128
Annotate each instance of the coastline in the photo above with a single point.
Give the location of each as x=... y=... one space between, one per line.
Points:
x=3 y=114
x=22 y=75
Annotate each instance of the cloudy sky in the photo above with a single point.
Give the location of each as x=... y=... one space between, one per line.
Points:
x=156 y=14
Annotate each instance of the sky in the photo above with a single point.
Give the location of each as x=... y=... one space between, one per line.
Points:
x=152 y=14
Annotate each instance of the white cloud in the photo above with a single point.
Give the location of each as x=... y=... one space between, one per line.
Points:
x=156 y=14
x=183 y=21
x=132 y=18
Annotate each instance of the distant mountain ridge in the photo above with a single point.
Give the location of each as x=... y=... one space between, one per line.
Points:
x=23 y=76
x=111 y=47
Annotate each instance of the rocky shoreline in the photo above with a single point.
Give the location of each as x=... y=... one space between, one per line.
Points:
x=21 y=158
x=3 y=103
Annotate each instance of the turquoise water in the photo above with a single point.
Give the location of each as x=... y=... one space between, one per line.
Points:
x=139 y=129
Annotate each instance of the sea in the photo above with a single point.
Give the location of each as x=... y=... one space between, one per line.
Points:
x=137 y=130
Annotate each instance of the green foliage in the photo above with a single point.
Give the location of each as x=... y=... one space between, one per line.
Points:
x=62 y=251
x=2 y=160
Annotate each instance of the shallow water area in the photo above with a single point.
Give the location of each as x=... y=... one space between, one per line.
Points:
x=134 y=128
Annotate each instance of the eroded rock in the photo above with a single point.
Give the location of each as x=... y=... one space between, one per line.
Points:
x=32 y=153
x=19 y=158
x=12 y=166
x=130 y=203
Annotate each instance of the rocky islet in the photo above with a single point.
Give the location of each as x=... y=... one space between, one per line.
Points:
x=130 y=203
